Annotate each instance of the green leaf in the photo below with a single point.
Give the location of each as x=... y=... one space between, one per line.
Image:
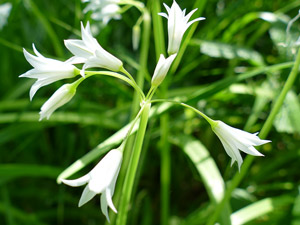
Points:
x=259 y=209
x=206 y=168
x=13 y=171
x=287 y=120
x=229 y=51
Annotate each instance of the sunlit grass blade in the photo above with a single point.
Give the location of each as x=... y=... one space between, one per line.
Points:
x=260 y=208
x=207 y=169
x=228 y=51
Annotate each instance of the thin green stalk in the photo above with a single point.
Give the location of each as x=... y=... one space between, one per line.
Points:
x=209 y=120
x=263 y=134
x=136 y=99
x=143 y=58
x=165 y=169
x=132 y=167
x=116 y=75
x=123 y=70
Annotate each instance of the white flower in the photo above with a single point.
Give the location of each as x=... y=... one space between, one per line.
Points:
x=89 y=52
x=177 y=25
x=62 y=95
x=101 y=179
x=103 y=10
x=4 y=13
x=234 y=139
x=106 y=13
x=162 y=69
x=46 y=70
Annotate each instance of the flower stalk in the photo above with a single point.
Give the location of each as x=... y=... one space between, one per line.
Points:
x=132 y=167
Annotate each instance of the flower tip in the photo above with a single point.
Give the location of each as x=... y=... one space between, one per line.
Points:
x=82 y=73
x=80 y=204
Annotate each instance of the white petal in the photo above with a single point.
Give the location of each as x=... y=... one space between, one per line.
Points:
x=188 y=16
x=75 y=60
x=88 y=38
x=77 y=182
x=35 y=87
x=36 y=52
x=105 y=171
x=250 y=150
x=109 y=201
x=193 y=21
x=167 y=7
x=103 y=204
x=33 y=60
x=232 y=151
x=164 y=15
x=78 y=48
x=86 y=196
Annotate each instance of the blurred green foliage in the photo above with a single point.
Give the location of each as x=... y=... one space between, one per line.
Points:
x=217 y=74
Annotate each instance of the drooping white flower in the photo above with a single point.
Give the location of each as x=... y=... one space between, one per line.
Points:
x=234 y=139
x=89 y=52
x=46 y=70
x=60 y=97
x=161 y=69
x=101 y=179
x=177 y=25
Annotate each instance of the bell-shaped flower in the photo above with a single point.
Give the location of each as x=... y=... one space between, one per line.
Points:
x=60 y=97
x=161 y=69
x=177 y=25
x=46 y=70
x=234 y=139
x=89 y=52
x=101 y=179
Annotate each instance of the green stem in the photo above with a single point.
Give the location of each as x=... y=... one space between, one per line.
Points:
x=209 y=120
x=139 y=5
x=132 y=125
x=116 y=75
x=143 y=58
x=287 y=86
x=133 y=81
x=158 y=30
x=263 y=134
x=132 y=167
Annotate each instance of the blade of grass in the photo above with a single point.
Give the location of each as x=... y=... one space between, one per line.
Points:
x=260 y=208
x=52 y=34
x=207 y=169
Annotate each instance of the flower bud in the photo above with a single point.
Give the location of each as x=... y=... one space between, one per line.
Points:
x=162 y=69
x=62 y=96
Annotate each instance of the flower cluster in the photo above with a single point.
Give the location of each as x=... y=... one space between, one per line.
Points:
x=47 y=71
x=87 y=51
x=177 y=25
